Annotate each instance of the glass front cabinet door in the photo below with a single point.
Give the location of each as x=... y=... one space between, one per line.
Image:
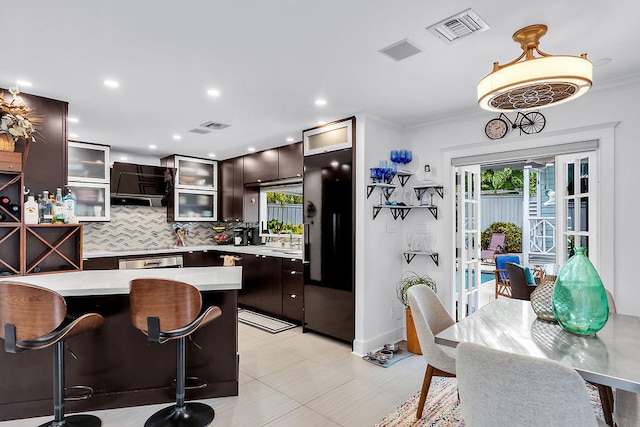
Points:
x=92 y=201
x=195 y=205
x=88 y=162
x=196 y=173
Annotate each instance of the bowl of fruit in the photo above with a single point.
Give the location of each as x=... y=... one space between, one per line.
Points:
x=222 y=237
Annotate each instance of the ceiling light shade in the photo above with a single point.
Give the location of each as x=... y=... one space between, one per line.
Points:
x=534 y=82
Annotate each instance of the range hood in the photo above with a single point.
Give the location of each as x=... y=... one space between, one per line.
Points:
x=140 y=185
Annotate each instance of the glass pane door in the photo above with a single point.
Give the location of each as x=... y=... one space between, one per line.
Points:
x=88 y=162
x=576 y=181
x=193 y=205
x=194 y=173
x=468 y=239
x=92 y=201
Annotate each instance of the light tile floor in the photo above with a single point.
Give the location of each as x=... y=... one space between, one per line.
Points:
x=295 y=379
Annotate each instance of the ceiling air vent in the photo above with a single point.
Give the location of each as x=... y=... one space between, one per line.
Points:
x=458 y=26
x=214 y=125
x=400 y=50
x=199 y=131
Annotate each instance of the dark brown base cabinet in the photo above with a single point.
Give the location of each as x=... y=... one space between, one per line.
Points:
x=120 y=364
x=262 y=284
x=292 y=289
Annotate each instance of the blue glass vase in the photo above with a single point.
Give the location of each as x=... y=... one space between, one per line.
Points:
x=580 y=302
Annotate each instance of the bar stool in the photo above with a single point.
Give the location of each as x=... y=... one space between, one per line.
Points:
x=169 y=310
x=32 y=319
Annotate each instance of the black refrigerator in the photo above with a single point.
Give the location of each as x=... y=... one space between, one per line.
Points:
x=329 y=303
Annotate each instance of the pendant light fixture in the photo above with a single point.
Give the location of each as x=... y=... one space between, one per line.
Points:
x=534 y=82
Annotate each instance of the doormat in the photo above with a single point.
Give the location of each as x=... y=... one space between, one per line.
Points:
x=397 y=356
x=263 y=322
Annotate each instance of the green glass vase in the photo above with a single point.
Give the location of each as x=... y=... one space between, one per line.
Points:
x=580 y=302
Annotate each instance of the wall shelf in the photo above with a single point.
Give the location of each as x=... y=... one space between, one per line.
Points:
x=421 y=189
x=410 y=255
x=403 y=177
x=385 y=189
x=402 y=211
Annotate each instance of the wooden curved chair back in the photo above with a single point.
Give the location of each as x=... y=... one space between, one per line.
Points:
x=34 y=311
x=175 y=303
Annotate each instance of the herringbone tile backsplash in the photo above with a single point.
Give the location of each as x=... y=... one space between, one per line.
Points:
x=139 y=227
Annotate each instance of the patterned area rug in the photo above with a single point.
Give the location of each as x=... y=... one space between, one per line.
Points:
x=443 y=409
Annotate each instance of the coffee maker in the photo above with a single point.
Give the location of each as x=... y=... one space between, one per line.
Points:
x=241 y=236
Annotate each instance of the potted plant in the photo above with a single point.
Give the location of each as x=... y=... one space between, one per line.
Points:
x=407 y=280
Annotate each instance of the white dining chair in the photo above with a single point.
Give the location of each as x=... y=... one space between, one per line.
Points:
x=430 y=318
x=497 y=388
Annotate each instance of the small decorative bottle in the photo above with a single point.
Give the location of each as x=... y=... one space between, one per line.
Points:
x=69 y=207
x=579 y=299
x=45 y=208
x=30 y=211
x=58 y=208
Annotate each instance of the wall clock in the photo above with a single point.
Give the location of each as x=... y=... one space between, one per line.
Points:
x=496 y=128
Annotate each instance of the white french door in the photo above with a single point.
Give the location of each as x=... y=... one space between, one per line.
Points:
x=576 y=205
x=468 y=239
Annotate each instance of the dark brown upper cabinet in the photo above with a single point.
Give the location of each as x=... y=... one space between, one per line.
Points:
x=290 y=161
x=261 y=166
x=46 y=163
x=232 y=189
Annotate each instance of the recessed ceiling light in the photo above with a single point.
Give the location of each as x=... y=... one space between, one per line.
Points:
x=73 y=135
x=212 y=155
x=23 y=83
x=213 y=92
x=322 y=122
x=321 y=102
x=73 y=119
x=290 y=139
x=111 y=83
x=176 y=137
x=123 y=158
x=152 y=147
x=251 y=149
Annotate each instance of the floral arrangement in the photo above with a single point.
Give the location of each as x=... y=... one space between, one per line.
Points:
x=14 y=118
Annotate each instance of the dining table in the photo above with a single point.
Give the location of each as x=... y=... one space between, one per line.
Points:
x=610 y=357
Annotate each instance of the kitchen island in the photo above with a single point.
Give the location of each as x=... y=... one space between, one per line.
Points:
x=117 y=361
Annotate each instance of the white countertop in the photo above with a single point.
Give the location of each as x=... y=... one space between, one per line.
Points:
x=116 y=282
x=249 y=250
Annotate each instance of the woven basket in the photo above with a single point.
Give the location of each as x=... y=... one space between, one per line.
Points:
x=6 y=142
x=542 y=300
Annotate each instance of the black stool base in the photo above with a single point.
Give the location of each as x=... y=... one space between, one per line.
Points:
x=193 y=415
x=77 y=421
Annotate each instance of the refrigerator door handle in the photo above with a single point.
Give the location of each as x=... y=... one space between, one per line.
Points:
x=305 y=241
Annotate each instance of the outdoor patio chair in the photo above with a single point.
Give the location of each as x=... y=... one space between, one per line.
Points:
x=496 y=246
x=503 y=288
x=521 y=281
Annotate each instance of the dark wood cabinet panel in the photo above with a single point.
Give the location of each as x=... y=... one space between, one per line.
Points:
x=293 y=307
x=251 y=204
x=46 y=164
x=102 y=263
x=262 y=284
x=202 y=259
x=226 y=190
x=261 y=166
x=232 y=190
x=290 y=161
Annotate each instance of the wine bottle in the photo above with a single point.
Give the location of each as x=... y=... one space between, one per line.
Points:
x=45 y=208
x=4 y=200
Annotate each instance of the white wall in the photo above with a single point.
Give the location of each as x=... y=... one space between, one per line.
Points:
x=379 y=263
